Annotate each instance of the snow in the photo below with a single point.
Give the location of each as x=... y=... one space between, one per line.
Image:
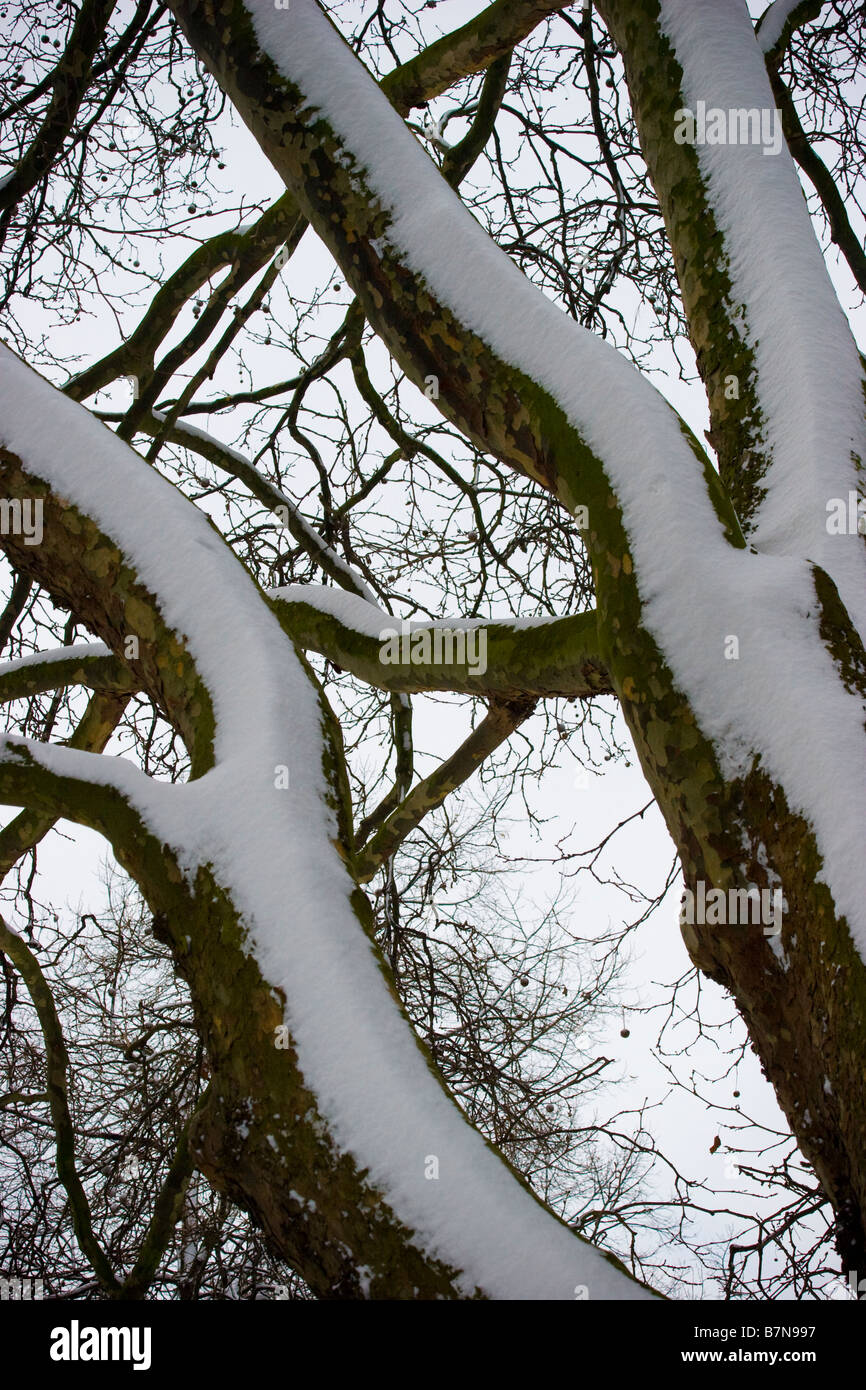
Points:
x=185 y=427
x=773 y=21
x=809 y=375
x=273 y=850
x=370 y=620
x=102 y=770
x=775 y=944
x=79 y=652
x=782 y=701
x=350 y=610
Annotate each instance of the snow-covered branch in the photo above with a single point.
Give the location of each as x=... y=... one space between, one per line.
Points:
x=91 y=664
x=721 y=654
x=506 y=657
x=91 y=734
x=807 y=371
x=780 y=20
x=388 y=215
x=72 y=772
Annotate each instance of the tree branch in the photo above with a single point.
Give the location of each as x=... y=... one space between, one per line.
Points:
x=479 y=44
x=498 y=725
x=401 y=734
x=91 y=735
x=66 y=780
x=550 y=658
x=88 y=664
x=165 y=1216
x=246 y=251
x=266 y=492
x=778 y=24
x=465 y=51
x=460 y=158
x=841 y=231
x=15 y=607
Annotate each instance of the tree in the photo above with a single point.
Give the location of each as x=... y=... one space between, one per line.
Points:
x=727 y=597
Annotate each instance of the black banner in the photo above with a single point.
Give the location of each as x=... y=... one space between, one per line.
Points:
x=97 y=1340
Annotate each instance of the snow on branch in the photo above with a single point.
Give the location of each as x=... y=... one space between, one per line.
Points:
x=508 y=657
x=364 y=616
x=91 y=734
x=780 y=18
x=73 y=765
x=86 y=663
x=80 y=651
x=807 y=367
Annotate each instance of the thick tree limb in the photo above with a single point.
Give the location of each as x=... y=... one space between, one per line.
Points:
x=556 y=657
x=247 y=878
x=84 y=571
x=69 y=781
x=88 y=664
x=536 y=393
x=743 y=311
